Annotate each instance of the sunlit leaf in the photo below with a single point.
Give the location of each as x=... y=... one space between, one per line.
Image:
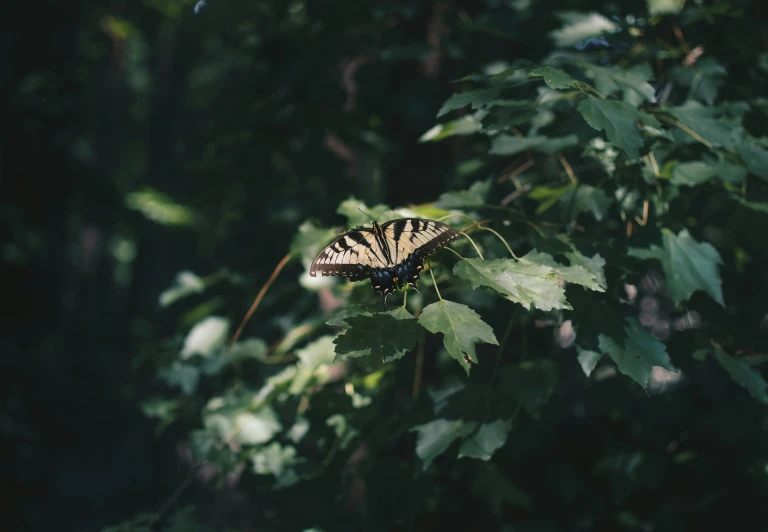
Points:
x=688 y=265
x=588 y=359
x=351 y=208
x=580 y=26
x=160 y=208
x=466 y=125
x=313 y=357
x=461 y=327
x=575 y=273
x=531 y=285
x=383 y=335
x=659 y=7
x=206 y=338
x=186 y=283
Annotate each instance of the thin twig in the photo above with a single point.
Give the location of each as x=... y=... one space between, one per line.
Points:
x=502 y=239
x=473 y=243
x=515 y=193
x=568 y=169
x=258 y=299
x=517 y=171
x=433 y=280
x=685 y=128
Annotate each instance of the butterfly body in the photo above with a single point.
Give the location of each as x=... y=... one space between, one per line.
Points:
x=390 y=255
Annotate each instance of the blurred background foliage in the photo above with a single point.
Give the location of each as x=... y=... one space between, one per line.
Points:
x=159 y=158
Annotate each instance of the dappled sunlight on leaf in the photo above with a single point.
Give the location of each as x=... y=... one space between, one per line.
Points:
x=461 y=327
x=206 y=338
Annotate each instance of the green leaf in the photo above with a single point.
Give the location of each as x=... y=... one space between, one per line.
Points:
x=698 y=172
x=555 y=78
x=549 y=196
x=638 y=355
x=703 y=78
x=688 y=265
x=507 y=113
x=181 y=375
x=755 y=157
x=575 y=274
x=434 y=438
x=386 y=335
x=340 y=315
x=310 y=240
x=462 y=328
x=525 y=283
x=595 y=265
x=618 y=120
x=489 y=438
x=161 y=208
x=531 y=383
x=466 y=125
x=250 y=348
x=351 y=209
x=707 y=122
x=206 y=337
x=584 y=198
x=588 y=359
x=477 y=98
x=186 y=283
x=578 y=27
x=465 y=199
x=660 y=7
x=246 y=426
x=510 y=145
x=692 y=174
x=632 y=82
x=313 y=356
x=744 y=374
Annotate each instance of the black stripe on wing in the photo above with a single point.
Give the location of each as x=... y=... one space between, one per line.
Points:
x=345 y=256
x=416 y=234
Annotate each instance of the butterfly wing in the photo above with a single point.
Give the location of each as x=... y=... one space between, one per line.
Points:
x=406 y=236
x=350 y=255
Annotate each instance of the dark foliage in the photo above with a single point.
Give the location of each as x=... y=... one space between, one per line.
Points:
x=588 y=356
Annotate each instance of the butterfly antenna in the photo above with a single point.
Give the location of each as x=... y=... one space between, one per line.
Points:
x=382 y=212
x=368 y=215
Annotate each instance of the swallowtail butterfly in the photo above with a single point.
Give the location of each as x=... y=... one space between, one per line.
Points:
x=389 y=254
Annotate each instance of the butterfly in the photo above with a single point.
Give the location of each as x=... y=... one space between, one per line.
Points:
x=389 y=254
